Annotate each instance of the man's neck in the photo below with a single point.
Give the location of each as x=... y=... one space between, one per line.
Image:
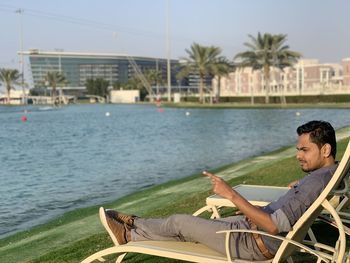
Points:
x=329 y=162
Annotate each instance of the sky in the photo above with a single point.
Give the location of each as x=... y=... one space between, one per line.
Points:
x=318 y=29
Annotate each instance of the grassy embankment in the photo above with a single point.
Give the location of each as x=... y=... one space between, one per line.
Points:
x=78 y=234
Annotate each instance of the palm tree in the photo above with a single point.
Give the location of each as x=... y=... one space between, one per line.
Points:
x=54 y=79
x=133 y=83
x=267 y=51
x=222 y=68
x=98 y=87
x=154 y=77
x=136 y=83
x=9 y=77
x=202 y=61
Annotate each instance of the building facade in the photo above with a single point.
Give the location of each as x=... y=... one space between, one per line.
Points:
x=16 y=97
x=78 y=67
x=346 y=72
x=307 y=77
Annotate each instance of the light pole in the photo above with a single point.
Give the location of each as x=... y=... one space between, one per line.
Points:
x=168 y=52
x=21 y=62
x=59 y=59
x=59 y=50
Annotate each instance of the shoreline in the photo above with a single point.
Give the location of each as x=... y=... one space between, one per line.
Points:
x=220 y=105
x=239 y=105
x=82 y=224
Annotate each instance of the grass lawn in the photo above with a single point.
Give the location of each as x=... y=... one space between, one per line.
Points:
x=83 y=234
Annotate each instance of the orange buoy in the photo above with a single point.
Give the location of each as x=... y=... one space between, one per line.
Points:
x=24 y=118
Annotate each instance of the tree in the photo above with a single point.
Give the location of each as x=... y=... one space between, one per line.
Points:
x=267 y=51
x=117 y=85
x=9 y=77
x=135 y=83
x=154 y=77
x=203 y=61
x=222 y=68
x=98 y=86
x=54 y=79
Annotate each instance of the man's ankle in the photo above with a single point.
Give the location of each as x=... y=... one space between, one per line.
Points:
x=128 y=235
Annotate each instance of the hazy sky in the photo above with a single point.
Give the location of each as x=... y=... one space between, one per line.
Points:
x=316 y=28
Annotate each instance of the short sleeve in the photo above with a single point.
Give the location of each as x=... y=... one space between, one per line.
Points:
x=281 y=221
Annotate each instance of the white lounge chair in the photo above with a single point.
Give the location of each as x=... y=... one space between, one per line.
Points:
x=200 y=253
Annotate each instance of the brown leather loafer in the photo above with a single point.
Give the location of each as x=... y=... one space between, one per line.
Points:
x=117 y=231
x=120 y=217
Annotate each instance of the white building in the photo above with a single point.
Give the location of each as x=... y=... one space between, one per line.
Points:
x=307 y=77
x=124 y=96
x=16 y=97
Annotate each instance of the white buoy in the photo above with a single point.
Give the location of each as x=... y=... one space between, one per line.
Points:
x=107 y=114
x=297 y=113
x=188 y=113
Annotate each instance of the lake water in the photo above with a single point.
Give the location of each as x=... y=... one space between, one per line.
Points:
x=77 y=156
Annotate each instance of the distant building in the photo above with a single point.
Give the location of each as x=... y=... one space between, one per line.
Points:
x=346 y=71
x=124 y=96
x=307 y=77
x=78 y=67
x=16 y=96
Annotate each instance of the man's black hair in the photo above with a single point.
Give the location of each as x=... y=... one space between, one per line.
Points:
x=321 y=132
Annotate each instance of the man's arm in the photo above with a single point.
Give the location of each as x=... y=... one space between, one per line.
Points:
x=256 y=215
x=291 y=184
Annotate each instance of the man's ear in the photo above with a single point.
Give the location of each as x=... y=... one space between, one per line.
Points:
x=326 y=150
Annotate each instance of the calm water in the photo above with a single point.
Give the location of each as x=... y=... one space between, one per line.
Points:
x=77 y=156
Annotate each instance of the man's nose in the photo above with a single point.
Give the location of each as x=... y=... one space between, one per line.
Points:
x=299 y=155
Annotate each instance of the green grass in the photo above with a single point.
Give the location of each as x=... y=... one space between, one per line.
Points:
x=78 y=234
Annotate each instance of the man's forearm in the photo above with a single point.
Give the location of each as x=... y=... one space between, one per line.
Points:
x=255 y=214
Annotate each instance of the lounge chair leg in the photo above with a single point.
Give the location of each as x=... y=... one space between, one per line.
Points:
x=201 y=210
x=100 y=254
x=120 y=258
x=216 y=213
x=312 y=237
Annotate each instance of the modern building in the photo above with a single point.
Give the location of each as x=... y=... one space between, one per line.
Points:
x=78 y=67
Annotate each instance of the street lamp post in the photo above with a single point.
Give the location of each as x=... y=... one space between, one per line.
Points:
x=60 y=92
x=168 y=52
x=21 y=62
x=59 y=59
x=59 y=63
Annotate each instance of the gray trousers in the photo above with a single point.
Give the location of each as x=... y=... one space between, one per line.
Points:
x=196 y=229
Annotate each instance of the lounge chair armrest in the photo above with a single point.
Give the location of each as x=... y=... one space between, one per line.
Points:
x=227 y=243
